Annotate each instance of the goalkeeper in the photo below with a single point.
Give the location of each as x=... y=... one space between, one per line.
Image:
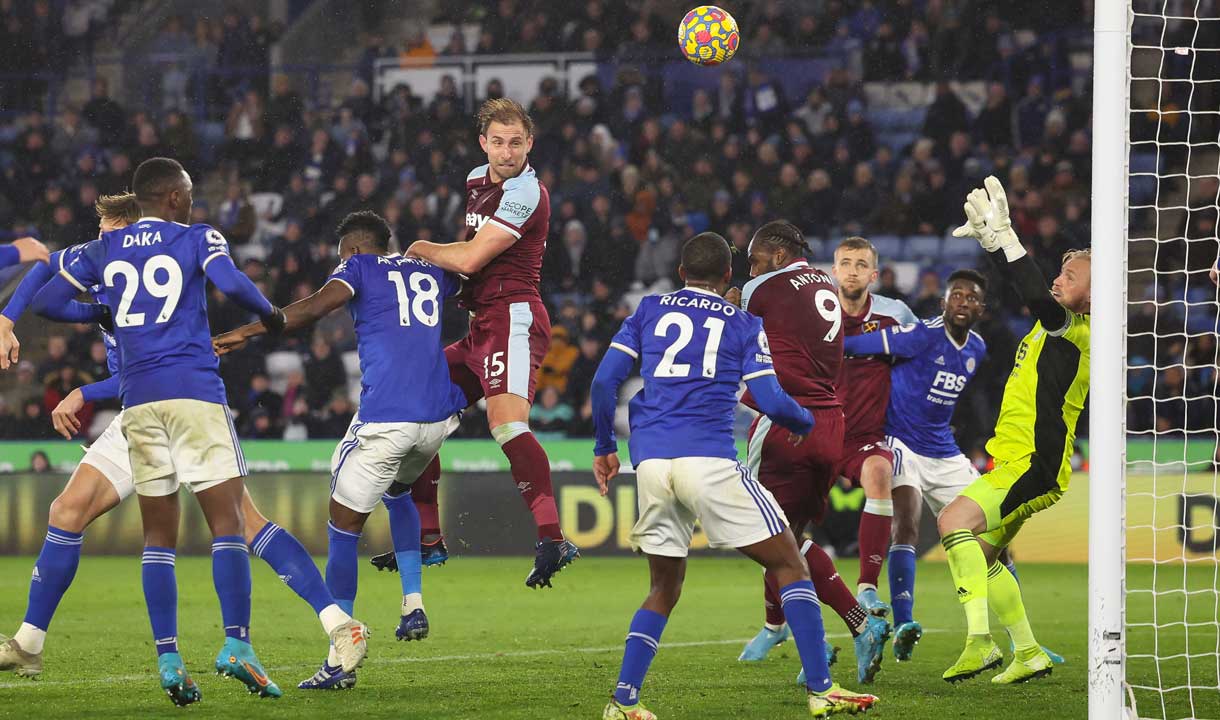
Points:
x=1032 y=445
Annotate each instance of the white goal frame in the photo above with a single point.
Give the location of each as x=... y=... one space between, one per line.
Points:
x=1107 y=408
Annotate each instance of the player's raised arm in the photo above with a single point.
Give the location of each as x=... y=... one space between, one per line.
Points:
x=302 y=313
x=987 y=221
x=23 y=250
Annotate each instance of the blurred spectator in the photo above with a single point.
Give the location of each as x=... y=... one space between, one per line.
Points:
x=946 y=115
x=323 y=372
x=284 y=106
x=104 y=114
x=994 y=122
x=333 y=419
x=235 y=217
x=550 y=415
x=887 y=285
x=56 y=359
x=926 y=301
x=39 y=462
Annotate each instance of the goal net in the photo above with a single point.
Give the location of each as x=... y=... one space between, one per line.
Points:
x=1170 y=635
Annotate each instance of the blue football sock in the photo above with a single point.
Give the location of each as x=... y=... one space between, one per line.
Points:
x=291 y=561
x=341 y=570
x=902 y=583
x=231 y=576
x=404 y=529
x=804 y=614
x=643 y=639
x=161 y=596
x=1012 y=568
x=53 y=573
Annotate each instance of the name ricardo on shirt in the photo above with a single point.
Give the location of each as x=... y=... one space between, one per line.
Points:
x=699 y=303
x=804 y=279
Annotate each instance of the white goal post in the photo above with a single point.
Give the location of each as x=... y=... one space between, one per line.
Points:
x=1154 y=466
x=1107 y=358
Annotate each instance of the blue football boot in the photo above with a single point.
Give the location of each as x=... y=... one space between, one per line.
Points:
x=237 y=660
x=413 y=626
x=551 y=557
x=329 y=677
x=181 y=689
x=757 y=649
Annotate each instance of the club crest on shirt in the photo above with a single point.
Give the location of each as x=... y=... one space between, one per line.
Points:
x=870 y=326
x=969 y=364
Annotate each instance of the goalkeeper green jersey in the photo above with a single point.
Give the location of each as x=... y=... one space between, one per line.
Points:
x=1043 y=399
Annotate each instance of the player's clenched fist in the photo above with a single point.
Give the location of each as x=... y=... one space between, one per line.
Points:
x=605 y=468
x=733 y=296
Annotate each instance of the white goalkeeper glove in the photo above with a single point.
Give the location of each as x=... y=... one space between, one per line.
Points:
x=988 y=222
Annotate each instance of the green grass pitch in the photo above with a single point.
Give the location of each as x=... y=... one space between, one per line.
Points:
x=500 y=650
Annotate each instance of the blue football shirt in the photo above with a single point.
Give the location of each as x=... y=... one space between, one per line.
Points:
x=396 y=305
x=151 y=275
x=926 y=382
x=60 y=260
x=694 y=349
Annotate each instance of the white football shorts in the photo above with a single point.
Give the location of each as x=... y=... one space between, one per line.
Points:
x=938 y=480
x=109 y=455
x=371 y=455
x=181 y=442
x=733 y=508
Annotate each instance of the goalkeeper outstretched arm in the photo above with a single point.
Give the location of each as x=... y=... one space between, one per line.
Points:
x=988 y=222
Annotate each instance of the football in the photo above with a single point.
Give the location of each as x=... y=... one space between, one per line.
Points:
x=708 y=35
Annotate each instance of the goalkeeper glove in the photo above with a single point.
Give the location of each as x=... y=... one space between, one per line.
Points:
x=988 y=220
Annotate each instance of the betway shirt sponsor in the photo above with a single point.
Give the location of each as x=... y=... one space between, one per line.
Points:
x=522 y=207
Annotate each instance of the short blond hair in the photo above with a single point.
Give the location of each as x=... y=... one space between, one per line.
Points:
x=855 y=242
x=122 y=208
x=1070 y=255
x=505 y=111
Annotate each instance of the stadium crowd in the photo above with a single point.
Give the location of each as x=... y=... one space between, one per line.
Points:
x=630 y=177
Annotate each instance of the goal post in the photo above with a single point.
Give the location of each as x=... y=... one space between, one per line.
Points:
x=1107 y=359
x=1154 y=512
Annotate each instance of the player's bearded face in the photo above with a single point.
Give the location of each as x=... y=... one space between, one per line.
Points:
x=507 y=146
x=854 y=271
